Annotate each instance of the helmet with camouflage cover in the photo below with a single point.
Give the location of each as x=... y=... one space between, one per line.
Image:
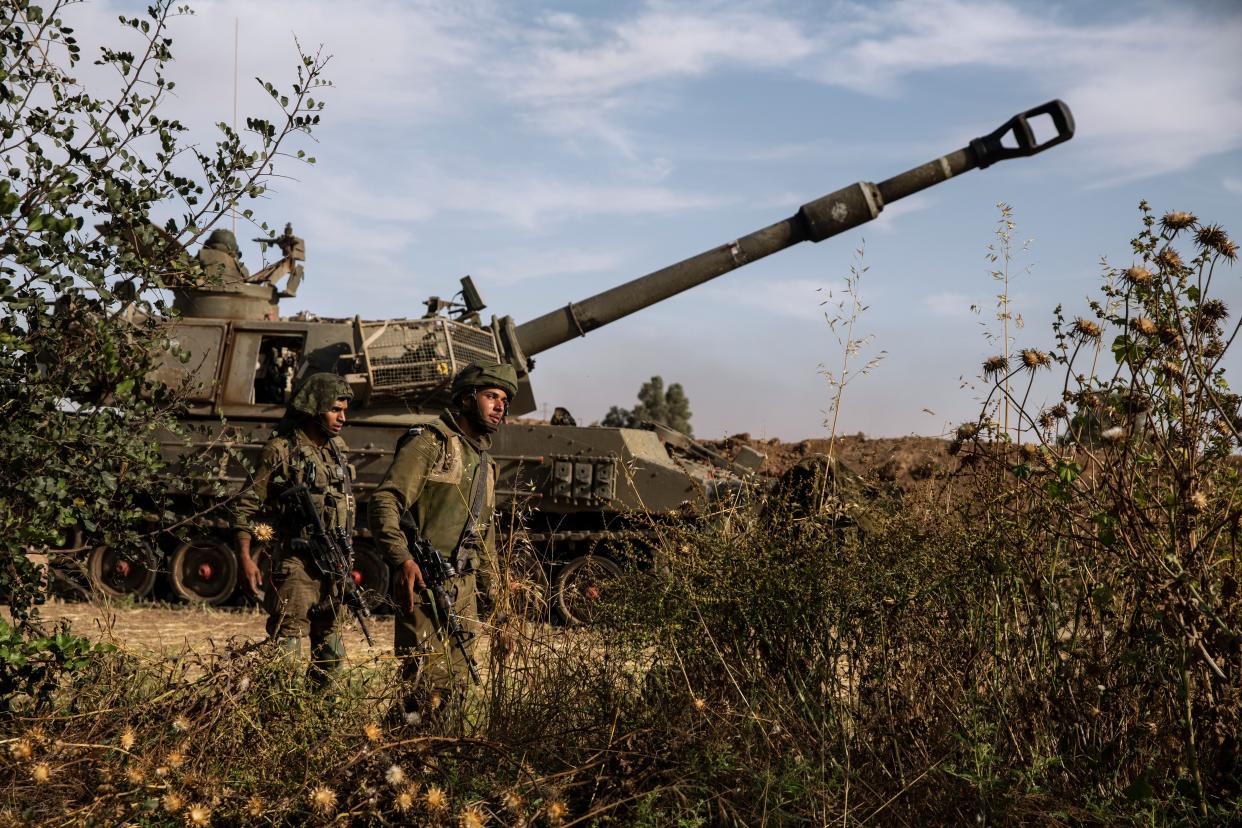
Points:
x=485 y=375
x=223 y=240
x=317 y=394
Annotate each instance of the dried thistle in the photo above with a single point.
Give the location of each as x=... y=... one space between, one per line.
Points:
x=1138 y=276
x=1214 y=237
x=128 y=738
x=1144 y=326
x=180 y=724
x=135 y=775
x=1085 y=329
x=372 y=731
x=966 y=431
x=1197 y=502
x=1034 y=358
x=41 y=772
x=1169 y=259
x=1173 y=370
x=434 y=799
x=255 y=807
x=556 y=812
x=323 y=799
x=472 y=817
x=512 y=800
x=1178 y=220
x=175 y=759
x=700 y=704
x=394 y=775
x=1029 y=451
x=173 y=802
x=404 y=800
x=995 y=365
x=198 y=814
x=1047 y=421
x=22 y=750
x=1214 y=309
x=1213 y=348
x=1113 y=435
x=263 y=532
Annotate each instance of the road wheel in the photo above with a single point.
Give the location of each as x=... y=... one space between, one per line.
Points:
x=203 y=571
x=115 y=574
x=581 y=585
x=371 y=575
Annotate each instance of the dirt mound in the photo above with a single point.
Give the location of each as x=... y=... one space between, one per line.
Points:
x=905 y=461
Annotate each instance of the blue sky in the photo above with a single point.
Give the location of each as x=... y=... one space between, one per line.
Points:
x=552 y=150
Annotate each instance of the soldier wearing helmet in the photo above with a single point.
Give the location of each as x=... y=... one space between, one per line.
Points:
x=299 y=601
x=433 y=478
x=220 y=258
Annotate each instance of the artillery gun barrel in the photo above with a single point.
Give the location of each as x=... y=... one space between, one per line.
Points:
x=814 y=221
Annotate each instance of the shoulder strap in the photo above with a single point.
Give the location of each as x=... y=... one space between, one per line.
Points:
x=478 y=491
x=347 y=485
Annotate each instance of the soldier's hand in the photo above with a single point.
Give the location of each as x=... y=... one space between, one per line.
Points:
x=253 y=576
x=410 y=580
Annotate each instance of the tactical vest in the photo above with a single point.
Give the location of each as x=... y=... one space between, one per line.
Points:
x=443 y=506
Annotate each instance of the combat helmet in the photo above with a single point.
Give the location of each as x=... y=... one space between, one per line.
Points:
x=316 y=394
x=486 y=375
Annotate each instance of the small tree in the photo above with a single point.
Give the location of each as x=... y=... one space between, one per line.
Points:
x=669 y=407
x=83 y=267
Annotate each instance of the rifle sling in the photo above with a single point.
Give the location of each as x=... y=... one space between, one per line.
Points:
x=477 y=494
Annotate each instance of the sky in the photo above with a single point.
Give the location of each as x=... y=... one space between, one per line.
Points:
x=554 y=149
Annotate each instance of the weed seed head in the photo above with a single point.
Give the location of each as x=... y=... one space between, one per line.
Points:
x=41 y=773
x=135 y=776
x=700 y=704
x=1034 y=358
x=1197 y=502
x=1168 y=259
x=472 y=817
x=967 y=430
x=1139 y=276
x=254 y=807
x=1178 y=219
x=1215 y=238
x=181 y=724
x=995 y=365
x=1144 y=326
x=1213 y=349
x=173 y=802
x=198 y=814
x=22 y=750
x=37 y=735
x=323 y=799
x=1086 y=330
x=394 y=775
x=128 y=738
x=263 y=532
x=512 y=800
x=1113 y=435
x=404 y=800
x=434 y=799
x=1214 y=309
x=372 y=731
x=557 y=811
x=175 y=759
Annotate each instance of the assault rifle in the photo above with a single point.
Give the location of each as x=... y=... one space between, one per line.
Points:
x=333 y=555
x=436 y=574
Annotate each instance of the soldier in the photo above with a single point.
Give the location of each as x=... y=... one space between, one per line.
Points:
x=221 y=258
x=433 y=478
x=298 y=599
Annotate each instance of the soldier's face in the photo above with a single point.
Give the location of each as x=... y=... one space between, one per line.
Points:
x=492 y=403
x=334 y=420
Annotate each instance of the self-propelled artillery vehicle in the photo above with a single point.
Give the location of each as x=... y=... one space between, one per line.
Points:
x=578 y=491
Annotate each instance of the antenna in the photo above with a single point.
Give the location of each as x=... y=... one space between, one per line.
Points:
x=236 y=28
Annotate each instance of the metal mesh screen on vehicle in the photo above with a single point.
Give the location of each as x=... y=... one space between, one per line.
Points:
x=421 y=355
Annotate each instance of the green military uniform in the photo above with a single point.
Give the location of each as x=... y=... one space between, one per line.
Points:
x=221 y=258
x=299 y=600
x=432 y=478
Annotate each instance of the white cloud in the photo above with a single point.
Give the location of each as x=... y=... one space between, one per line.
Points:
x=887 y=220
x=793 y=298
x=950 y=304
x=1151 y=95
x=520 y=264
